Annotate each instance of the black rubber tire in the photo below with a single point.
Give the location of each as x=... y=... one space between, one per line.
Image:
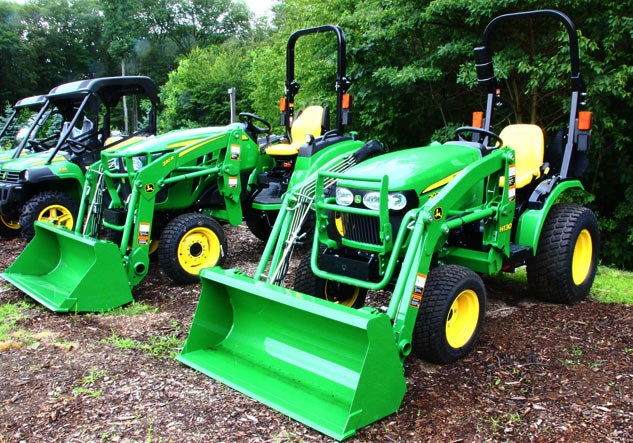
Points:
x=9 y=228
x=308 y=283
x=33 y=208
x=438 y=308
x=550 y=272
x=204 y=246
x=260 y=223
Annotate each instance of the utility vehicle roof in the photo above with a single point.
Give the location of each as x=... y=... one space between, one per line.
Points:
x=109 y=89
x=30 y=101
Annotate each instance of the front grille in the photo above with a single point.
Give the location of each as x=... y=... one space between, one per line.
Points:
x=361 y=228
x=9 y=176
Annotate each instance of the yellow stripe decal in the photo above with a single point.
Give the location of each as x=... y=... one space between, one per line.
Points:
x=442 y=182
x=197 y=145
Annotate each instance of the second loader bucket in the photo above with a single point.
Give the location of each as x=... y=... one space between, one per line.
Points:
x=330 y=367
x=70 y=273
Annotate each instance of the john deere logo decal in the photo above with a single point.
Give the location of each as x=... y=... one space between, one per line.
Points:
x=438 y=213
x=149 y=188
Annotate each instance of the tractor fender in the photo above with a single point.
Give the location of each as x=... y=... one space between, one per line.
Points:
x=531 y=221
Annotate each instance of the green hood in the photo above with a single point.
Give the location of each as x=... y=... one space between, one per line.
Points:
x=420 y=169
x=173 y=140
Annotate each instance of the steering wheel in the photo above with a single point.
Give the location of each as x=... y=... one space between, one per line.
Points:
x=76 y=147
x=248 y=118
x=483 y=134
x=38 y=145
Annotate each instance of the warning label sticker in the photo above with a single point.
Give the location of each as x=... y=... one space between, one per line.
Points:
x=143 y=234
x=418 y=290
x=235 y=152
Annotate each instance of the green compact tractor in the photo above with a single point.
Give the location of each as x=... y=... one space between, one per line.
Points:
x=422 y=223
x=171 y=192
x=47 y=184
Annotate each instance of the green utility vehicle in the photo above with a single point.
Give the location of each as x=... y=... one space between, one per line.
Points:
x=27 y=117
x=47 y=184
x=19 y=126
x=422 y=223
x=171 y=192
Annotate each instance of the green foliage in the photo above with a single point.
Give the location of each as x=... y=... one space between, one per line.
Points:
x=197 y=91
x=411 y=63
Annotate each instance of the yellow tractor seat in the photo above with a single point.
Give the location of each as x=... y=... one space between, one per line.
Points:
x=528 y=144
x=309 y=122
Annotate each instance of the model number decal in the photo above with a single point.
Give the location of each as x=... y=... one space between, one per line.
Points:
x=169 y=160
x=505 y=227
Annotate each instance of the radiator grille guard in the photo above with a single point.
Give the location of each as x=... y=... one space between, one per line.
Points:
x=360 y=228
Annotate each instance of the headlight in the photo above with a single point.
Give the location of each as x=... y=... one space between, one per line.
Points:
x=344 y=196
x=137 y=163
x=397 y=201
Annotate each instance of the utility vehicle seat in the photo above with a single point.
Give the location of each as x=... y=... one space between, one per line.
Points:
x=528 y=144
x=309 y=122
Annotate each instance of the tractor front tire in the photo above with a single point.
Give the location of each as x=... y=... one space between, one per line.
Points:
x=451 y=315
x=566 y=260
x=340 y=293
x=260 y=223
x=48 y=206
x=189 y=243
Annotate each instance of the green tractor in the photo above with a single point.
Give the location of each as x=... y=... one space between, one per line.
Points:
x=47 y=184
x=170 y=193
x=422 y=223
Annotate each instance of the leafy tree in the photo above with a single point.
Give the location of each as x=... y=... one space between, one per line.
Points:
x=19 y=78
x=197 y=91
x=64 y=38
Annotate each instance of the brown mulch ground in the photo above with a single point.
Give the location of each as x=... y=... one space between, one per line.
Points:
x=540 y=373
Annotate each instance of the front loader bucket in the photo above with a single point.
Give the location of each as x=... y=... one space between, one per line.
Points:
x=69 y=273
x=330 y=367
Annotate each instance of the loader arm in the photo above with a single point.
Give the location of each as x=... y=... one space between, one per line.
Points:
x=429 y=231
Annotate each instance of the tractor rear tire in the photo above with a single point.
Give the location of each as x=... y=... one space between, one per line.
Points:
x=451 y=315
x=189 y=243
x=340 y=293
x=566 y=260
x=9 y=228
x=49 y=206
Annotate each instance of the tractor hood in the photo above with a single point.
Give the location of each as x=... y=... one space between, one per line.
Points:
x=419 y=169
x=172 y=140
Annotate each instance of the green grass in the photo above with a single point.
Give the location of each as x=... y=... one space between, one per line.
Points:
x=10 y=314
x=613 y=286
x=610 y=286
x=161 y=346
x=88 y=381
x=134 y=308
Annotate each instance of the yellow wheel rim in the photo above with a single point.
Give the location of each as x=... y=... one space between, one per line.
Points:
x=462 y=318
x=583 y=254
x=199 y=248
x=341 y=294
x=11 y=224
x=58 y=215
